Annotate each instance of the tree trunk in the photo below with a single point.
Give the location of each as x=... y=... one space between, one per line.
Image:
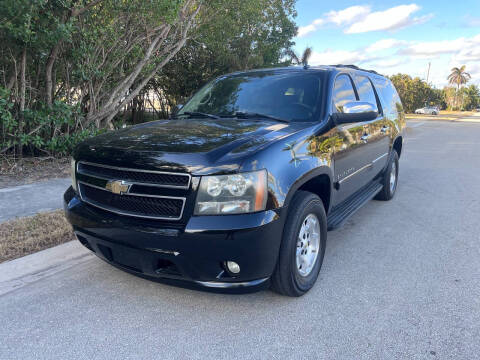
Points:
x=23 y=67
x=12 y=79
x=48 y=73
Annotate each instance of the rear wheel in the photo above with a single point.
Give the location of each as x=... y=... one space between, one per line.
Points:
x=390 y=179
x=303 y=246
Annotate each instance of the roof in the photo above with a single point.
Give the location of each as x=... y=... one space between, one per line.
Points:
x=316 y=67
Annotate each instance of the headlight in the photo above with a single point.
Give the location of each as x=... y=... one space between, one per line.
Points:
x=232 y=194
x=72 y=171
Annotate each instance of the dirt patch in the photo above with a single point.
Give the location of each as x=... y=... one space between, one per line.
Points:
x=28 y=170
x=20 y=237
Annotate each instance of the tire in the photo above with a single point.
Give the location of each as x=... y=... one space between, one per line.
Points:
x=288 y=279
x=389 y=188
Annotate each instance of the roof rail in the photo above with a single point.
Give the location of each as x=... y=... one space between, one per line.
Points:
x=356 y=68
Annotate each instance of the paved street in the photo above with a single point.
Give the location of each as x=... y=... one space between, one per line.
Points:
x=401 y=280
x=25 y=200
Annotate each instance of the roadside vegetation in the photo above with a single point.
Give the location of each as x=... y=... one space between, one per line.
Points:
x=70 y=69
x=20 y=237
x=417 y=93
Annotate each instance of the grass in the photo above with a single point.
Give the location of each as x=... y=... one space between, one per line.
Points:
x=23 y=236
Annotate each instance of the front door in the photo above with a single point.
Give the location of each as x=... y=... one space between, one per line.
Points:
x=354 y=153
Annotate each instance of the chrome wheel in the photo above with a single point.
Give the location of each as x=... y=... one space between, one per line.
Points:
x=393 y=177
x=308 y=245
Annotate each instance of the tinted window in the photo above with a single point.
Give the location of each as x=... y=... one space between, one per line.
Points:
x=388 y=94
x=290 y=96
x=343 y=92
x=365 y=90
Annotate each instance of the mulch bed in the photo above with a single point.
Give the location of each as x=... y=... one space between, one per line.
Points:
x=15 y=172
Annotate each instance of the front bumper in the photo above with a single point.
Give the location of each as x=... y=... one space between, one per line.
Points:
x=191 y=254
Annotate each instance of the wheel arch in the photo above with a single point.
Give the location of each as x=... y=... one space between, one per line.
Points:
x=397 y=145
x=318 y=182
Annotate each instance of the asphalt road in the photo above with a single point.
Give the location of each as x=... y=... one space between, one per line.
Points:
x=25 y=200
x=401 y=280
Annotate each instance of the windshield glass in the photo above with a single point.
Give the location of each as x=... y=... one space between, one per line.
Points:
x=291 y=96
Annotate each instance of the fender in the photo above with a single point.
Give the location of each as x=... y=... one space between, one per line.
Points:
x=302 y=180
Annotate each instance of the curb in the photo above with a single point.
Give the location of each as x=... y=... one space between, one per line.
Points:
x=475 y=118
x=20 y=272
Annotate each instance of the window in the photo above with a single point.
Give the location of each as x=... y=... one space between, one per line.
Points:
x=343 y=92
x=293 y=96
x=365 y=90
x=389 y=95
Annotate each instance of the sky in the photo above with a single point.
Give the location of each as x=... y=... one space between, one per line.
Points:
x=393 y=36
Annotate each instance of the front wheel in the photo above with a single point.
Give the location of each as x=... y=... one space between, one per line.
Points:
x=303 y=246
x=390 y=179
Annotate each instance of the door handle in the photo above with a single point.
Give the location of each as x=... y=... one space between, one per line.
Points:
x=365 y=137
x=385 y=129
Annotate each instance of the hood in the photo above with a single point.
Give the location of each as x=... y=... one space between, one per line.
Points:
x=191 y=145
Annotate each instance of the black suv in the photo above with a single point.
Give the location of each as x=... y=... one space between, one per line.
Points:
x=238 y=189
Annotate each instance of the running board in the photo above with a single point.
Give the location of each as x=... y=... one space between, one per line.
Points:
x=343 y=211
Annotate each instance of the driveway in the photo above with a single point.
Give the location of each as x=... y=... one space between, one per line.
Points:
x=25 y=200
x=401 y=280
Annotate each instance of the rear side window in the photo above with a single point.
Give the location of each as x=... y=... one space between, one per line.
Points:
x=388 y=94
x=365 y=90
x=343 y=92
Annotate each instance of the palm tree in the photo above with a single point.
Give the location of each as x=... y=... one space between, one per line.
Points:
x=300 y=61
x=459 y=77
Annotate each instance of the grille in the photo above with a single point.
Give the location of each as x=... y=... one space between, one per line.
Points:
x=133 y=204
x=163 y=179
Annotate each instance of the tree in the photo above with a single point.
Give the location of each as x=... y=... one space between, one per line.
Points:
x=459 y=77
x=415 y=93
x=236 y=35
x=303 y=60
x=68 y=67
x=471 y=96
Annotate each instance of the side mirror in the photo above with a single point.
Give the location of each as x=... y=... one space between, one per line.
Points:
x=356 y=111
x=178 y=107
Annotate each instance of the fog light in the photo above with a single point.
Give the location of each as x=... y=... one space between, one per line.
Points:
x=233 y=267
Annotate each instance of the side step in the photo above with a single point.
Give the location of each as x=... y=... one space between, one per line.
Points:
x=340 y=213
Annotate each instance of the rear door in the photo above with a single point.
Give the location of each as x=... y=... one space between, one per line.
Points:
x=378 y=129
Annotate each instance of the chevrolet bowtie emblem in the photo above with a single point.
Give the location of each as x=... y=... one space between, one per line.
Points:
x=119 y=187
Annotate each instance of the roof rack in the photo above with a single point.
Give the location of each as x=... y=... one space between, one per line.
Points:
x=356 y=68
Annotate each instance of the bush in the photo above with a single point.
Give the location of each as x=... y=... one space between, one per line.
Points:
x=53 y=130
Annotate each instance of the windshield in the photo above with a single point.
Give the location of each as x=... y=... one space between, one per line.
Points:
x=292 y=96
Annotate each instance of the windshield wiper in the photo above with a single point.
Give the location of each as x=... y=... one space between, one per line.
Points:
x=198 y=114
x=253 y=115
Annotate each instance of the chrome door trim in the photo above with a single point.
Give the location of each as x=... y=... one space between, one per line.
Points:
x=379 y=158
x=355 y=172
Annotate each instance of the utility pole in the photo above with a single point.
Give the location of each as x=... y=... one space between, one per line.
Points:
x=428 y=71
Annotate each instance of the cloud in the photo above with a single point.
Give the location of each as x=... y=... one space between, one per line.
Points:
x=341 y=17
x=409 y=57
x=347 y=15
x=391 y=19
x=384 y=44
x=466 y=49
x=304 y=30
x=360 y=19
